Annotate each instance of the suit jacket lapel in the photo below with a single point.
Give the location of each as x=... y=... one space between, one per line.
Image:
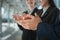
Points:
x=47 y=12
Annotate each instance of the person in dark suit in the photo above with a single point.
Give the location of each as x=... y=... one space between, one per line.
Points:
x=29 y=34
x=45 y=23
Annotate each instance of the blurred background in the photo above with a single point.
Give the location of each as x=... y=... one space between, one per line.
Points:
x=8 y=28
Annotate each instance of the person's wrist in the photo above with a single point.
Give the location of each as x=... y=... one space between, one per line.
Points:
x=37 y=24
x=35 y=27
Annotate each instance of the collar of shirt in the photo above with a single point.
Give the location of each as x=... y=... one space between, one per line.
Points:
x=44 y=10
x=30 y=11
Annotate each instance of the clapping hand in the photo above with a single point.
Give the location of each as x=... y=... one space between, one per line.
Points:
x=28 y=21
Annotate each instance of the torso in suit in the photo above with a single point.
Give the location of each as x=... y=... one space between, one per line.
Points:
x=50 y=18
x=28 y=34
x=50 y=15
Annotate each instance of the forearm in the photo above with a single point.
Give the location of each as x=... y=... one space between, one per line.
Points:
x=48 y=31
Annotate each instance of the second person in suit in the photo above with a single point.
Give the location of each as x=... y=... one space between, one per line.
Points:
x=47 y=15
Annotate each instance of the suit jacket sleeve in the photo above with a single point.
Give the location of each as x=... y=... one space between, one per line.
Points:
x=47 y=31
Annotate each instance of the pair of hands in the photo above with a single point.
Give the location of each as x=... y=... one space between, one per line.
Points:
x=28 y=21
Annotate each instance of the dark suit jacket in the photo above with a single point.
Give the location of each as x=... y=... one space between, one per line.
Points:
x=28 y=34
x=49 y=29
